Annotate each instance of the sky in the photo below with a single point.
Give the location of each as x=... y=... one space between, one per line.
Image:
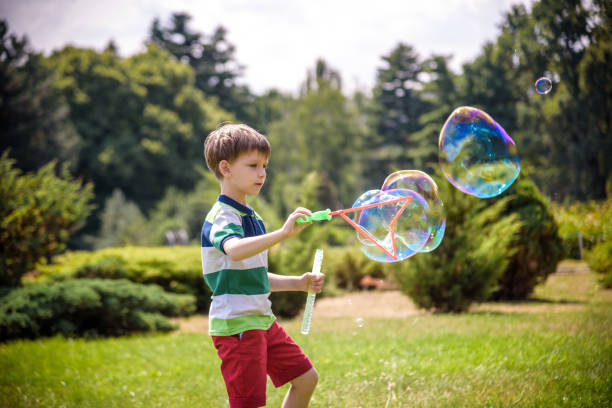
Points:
x=276 y=41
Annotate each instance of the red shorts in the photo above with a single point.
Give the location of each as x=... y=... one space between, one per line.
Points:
x=246 y=361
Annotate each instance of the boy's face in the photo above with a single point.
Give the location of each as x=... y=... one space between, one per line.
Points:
x=247 y=174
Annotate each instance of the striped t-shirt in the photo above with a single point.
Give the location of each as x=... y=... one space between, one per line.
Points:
x=240 y=289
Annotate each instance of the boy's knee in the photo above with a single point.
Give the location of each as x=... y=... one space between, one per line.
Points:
x=307 y=380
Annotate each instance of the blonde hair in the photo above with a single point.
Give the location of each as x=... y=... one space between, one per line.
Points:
x=229 y=141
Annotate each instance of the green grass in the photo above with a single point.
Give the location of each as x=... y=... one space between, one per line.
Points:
x=486 y=359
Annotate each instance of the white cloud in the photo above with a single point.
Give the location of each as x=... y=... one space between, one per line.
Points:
x=276 y=40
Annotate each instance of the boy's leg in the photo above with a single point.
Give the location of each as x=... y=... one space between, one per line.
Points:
x=288 y=363
x=243 y=365
x=301 y=390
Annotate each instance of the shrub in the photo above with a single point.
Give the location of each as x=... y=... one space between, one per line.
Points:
x=38 y=212
x=348 y=265
x=599 y=259
x=538 y=246
x=465 y=268
x=176 y=269
x=111 y=267
x=89 y=307
x=590 y=219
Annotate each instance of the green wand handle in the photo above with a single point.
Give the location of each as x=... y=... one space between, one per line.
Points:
x=322 y=215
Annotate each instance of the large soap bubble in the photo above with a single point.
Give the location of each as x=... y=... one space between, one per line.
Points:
x=476 y=154
x=426 y=187
x=394 y=226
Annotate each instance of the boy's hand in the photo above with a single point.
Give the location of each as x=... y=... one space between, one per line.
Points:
x=291 y=228
x=312 y=281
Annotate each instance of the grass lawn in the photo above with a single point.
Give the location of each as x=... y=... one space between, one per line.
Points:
x=552 y=351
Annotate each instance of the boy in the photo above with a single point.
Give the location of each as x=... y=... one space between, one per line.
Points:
x=249 y=341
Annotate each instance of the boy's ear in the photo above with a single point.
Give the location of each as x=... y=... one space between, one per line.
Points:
x=224 y=168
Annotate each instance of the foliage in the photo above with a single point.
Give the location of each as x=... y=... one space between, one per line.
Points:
x=176 y=269
x=399 y=106
x=141 y=119
x=590 y=219
x=38 y=212
x=321 y=134
x=477 y=247
x=599 y=259
x=538 y=246
x=295 y=255
x=34 y=121
x=565 y=134
x=346 y=266
x=89 y=307
x=183 y=210
x=122 y=223
x=212 y=59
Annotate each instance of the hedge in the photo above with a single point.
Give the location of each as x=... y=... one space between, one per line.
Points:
x=89 y=307
x=176 y=269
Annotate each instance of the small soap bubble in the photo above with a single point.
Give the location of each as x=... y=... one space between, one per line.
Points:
x=359 y=322
x=476 y=154
x=543 y=85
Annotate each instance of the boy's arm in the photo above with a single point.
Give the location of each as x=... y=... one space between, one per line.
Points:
x=241 y=248
x=303 y=283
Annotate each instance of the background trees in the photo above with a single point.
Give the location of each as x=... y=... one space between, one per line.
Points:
x=134 y=126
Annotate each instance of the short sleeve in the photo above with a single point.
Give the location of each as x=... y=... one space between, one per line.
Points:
x=227 y=224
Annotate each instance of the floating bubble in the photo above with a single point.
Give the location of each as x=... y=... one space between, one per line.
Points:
x=426 y=187
x=360 y=322
x=399 y=228
x=543 y=85
x=476 y=154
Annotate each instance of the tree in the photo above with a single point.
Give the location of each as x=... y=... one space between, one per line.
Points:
x=34 y=121
x=212 y=59
x=398 y=107
x=564 y=135
x=440 y=92
x=321 y=133
x=141 y=119
x=122 y=223
x=38 y=212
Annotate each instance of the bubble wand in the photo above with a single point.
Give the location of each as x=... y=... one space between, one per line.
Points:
x=310 y=300
x=326 y=215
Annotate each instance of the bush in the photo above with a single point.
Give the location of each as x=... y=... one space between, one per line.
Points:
x=590 y=219
x=465 y=268
x=38 y=212
x=176 y=269
x=538 y=246
x=89 y=307
x=348 y=265
x=599 y=259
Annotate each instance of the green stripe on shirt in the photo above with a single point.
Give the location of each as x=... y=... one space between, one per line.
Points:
x=252 y=281
x=229 y=229
x=229 y=327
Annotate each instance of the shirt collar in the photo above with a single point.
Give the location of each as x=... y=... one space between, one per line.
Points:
x=235 y=204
